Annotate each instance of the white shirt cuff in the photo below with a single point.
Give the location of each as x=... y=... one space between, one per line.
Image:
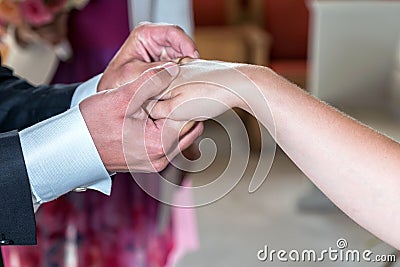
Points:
x=61 y=156
x=85 y=90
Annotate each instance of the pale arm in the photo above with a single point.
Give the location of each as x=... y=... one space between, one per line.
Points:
x=356 y=167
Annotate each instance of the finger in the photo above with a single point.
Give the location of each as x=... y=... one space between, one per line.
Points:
x=148 y=105
x=160 y=51
x=163 y=109
x=169 y=54
x=182 y=43
x=140 y=51
x=172 y=149
x=152 y=82
x=175 y=39
x=191 y=136
x=187 y=128
x=132 y=70
x=173 y=144
x=168 y=134
x=175 y=105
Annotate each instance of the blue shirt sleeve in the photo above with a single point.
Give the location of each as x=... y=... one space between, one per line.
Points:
x=60 y=154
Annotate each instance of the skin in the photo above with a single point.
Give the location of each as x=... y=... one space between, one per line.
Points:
x=148 y=42
x=355 y=166
x=135 y=74
x=148 y=47
x=146 y=146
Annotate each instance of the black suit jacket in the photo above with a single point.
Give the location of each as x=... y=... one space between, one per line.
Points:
x=21 y=105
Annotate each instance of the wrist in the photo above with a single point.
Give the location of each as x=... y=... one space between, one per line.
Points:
x=253 y=85
x=69 y=164
x=85 y=90
x=108 y=146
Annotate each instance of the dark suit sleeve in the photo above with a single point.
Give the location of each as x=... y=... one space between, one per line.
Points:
x=22 y=105
x=17 y=222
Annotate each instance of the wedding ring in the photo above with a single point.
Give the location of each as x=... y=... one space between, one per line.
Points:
x=179 y=62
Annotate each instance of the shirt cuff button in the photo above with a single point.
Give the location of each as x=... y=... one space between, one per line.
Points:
x=80 y=189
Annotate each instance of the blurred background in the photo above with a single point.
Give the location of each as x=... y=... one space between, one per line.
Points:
x=345 y=52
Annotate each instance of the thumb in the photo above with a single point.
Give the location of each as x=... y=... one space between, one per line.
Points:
x=150 y=83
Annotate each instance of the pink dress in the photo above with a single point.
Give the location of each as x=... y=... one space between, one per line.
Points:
x=90 y=229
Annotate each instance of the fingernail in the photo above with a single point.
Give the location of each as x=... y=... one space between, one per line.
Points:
x=172 y=68
x=196 y=54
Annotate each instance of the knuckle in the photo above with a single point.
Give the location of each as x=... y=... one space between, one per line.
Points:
x=156 y=77
x=163 y=109
x=160 y=151
x=142 y=25
x=147 y=76
x=176 y=32
x=168 y=108
x=174 y=107
x=177 y=27
x=160 y=165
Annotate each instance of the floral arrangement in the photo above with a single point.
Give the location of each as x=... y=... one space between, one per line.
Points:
x=35 y=13
x=28 y=18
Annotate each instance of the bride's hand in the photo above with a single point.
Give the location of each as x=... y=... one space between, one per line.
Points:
x=203 y=89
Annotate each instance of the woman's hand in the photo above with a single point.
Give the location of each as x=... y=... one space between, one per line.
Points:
x=204 y=89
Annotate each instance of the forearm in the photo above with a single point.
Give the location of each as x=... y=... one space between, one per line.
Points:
x=352 y=164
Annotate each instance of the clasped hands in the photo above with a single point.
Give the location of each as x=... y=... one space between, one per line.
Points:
x=124 y=135
x=129 y=135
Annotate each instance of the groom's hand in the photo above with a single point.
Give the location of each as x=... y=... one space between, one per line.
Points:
x=126 y=139
x=148 y=42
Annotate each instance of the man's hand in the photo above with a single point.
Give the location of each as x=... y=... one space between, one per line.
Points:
x=125 y=137
x=148 y=42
